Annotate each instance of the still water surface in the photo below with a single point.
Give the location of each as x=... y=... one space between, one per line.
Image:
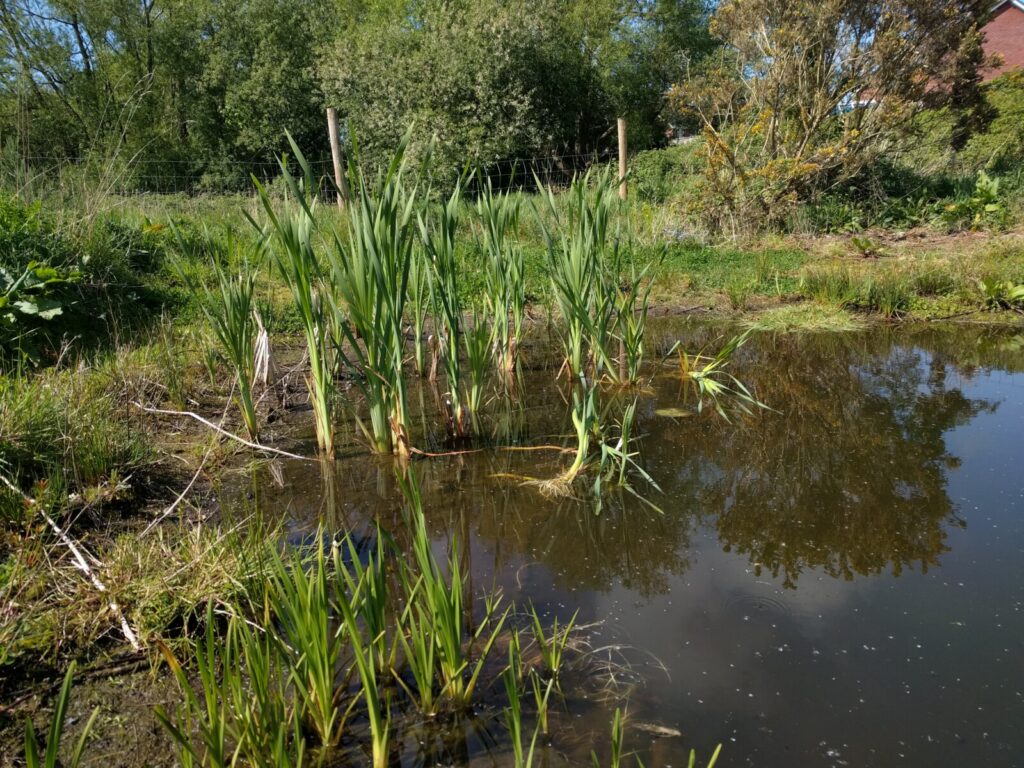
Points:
x=834 y=582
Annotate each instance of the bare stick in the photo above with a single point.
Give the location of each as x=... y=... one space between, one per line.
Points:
x=211 y=425
x=80 y=563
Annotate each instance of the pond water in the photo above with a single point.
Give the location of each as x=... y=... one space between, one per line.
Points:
x=833 y=582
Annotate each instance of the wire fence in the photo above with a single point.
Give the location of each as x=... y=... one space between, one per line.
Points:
x=140 y=176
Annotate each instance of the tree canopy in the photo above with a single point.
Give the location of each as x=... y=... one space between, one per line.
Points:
x=206 y=85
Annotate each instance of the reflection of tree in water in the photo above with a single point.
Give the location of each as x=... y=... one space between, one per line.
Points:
x=850 y=478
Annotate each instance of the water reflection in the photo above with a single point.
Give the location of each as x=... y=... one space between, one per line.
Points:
x=767 y=585
x=847 y=476
x=850 y=477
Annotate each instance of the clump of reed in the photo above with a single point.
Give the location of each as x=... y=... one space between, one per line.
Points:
x=602 y=445
x=419 y=307
x=632 y=302
x=231 y=311
x=370 y=268
x=438 y=610
x=601 y=306
x=577 y=246
x=290 y=233
x=711 y=380
x=439 y=230
x=505 y=272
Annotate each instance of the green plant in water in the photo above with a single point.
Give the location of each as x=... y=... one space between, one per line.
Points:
x=291 y=232
x=511 y=677
x=441 y=610
x=505 y=273
x=576 y=255
x=478 y=342
x=299 y=594
x=366 y=586
x=712 y=381
x=50 y=755
x=371 y=276
x=439 y=237
x=419 y=304
x=232 y=313
x=632 y=304
x=375 y=696
x=551 y=646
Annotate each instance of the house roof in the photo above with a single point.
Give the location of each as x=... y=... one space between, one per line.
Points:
x=1018 y=4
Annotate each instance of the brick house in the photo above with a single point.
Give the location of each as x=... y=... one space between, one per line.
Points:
x=1004 y=36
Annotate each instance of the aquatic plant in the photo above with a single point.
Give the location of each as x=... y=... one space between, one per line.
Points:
x=419 y=305
x=49 y=757
x=291 y=233
x=576 y=247
x=375 y=696
x=505 y=273
x=231 y=311
x=511 y=677
x=366 y=586
x=438 y=233
x=243 y=713
x=299 y=595
x=712 y=381
x=370 y=272
x=551 y=646
x=632 y=304
x=477 y=340
x=441 y=606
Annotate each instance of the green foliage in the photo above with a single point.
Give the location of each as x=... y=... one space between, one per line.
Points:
x=982 y=208
x=50 y=756
x=370 y=270
x=290 y=233
x=440 y=605
x=660 y=175
x=66 y=431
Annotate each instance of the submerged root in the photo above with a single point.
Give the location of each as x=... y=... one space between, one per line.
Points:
x=559 y=487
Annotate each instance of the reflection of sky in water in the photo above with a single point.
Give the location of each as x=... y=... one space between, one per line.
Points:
x=769 y=589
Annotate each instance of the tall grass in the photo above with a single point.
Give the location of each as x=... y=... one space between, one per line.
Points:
x=370 y=269
x=632 y=304
x=419 y=306
x=439 y=231
x=231 y=311
x=505 y=273
x=299 y=597
x=440 y=603
x=291 y=232
x=577 y=247
x=478 y=340
x=50 y=755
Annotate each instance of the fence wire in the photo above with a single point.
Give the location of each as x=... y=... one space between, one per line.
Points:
x=182 y=177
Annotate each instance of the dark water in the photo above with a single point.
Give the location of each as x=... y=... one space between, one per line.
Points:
x=837 y=582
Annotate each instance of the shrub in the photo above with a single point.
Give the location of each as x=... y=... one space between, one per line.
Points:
x=658 y=175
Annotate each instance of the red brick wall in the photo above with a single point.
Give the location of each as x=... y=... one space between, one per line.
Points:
x=1004 y=35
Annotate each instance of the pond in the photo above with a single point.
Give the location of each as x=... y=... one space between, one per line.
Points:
x=835 y=581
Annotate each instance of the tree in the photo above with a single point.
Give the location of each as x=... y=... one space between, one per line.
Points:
x=500 y=79
x=806 y=93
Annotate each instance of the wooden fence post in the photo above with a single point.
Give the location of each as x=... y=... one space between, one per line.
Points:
x=622 y=157
x=339 y=175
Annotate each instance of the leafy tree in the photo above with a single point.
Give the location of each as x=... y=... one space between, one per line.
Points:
x=499 y=79
x=808 y=92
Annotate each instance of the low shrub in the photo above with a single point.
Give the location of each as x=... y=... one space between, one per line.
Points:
x=658 y=175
